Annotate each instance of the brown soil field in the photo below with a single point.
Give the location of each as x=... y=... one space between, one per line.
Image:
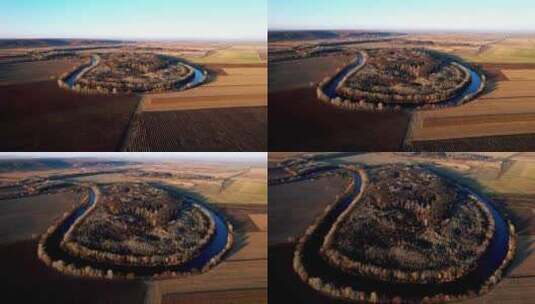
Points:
x=212 y=89
x=205 y=102
x=233 y=129
x=479 y=119
x=505 y=114
x=229 y=275
x=508 y=66
x=301 y=73
x=299 y=121
x=260 y=220
x=239 y=296
x=42 y=117
x=240 y=214
x=285 y=286
x=240 y=278
x=28 y=217
x=293 y=206
x=232 y=87
x=235 y=65
x=519 y=74
x=522 y=142
x=25 y=279
x=24 y=72
x=518 y=286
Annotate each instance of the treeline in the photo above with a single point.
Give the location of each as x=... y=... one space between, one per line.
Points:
x=350 y=293
x=355 y=97
x=76 y=269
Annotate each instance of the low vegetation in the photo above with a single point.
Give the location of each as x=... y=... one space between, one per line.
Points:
x=406 y=76
x=137 y=224
x=129 y=72
x=407 y=227
x=410 y=226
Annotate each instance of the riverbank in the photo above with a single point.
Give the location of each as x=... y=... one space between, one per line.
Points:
x=328 y=90
x=319 y=275
x=51 y=252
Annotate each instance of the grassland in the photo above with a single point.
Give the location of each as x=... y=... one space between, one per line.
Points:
x=510 y=50
x=233 y=54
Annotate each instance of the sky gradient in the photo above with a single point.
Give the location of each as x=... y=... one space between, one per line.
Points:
x=135 y=19
x=450 y=15
x=255 y=157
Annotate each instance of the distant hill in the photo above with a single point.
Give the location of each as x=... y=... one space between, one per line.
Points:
x=280 y=35
x=32 y=164
x=33 y=43
x=36 y=164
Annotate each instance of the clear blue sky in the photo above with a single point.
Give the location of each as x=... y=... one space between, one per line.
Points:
x=150 y=19
x=453 y=15
x=256 y=157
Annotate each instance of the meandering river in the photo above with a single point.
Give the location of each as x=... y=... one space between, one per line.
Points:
x=215 y=246
x=198 y=75
x=330 y=88
x=318 y=267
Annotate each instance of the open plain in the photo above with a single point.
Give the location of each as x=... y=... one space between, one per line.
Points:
x=105 y=95
x=503 y=177
x=37 y=194
x=500 y=118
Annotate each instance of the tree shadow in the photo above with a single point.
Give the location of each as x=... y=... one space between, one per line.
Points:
x=241 y=239
x=492 y=76
x=523 y=250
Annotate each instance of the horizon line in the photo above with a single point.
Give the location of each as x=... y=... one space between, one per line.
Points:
x=127 y=39
x=402 y=30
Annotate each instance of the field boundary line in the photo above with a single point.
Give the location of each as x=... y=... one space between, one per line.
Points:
x=129 y=128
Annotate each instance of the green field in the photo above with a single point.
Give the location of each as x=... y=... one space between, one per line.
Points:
x=231 y=55
x=514 y=50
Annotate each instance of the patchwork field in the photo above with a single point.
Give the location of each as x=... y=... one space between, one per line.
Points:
x=509 y=50
x=241 y=277
x=508 y=110
x=59 y=119
x=247 y=186
x=234 y=87
x=506 y=177
x=298 y=121
x=232 y=54
x=502 y=118
x=227 y=113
